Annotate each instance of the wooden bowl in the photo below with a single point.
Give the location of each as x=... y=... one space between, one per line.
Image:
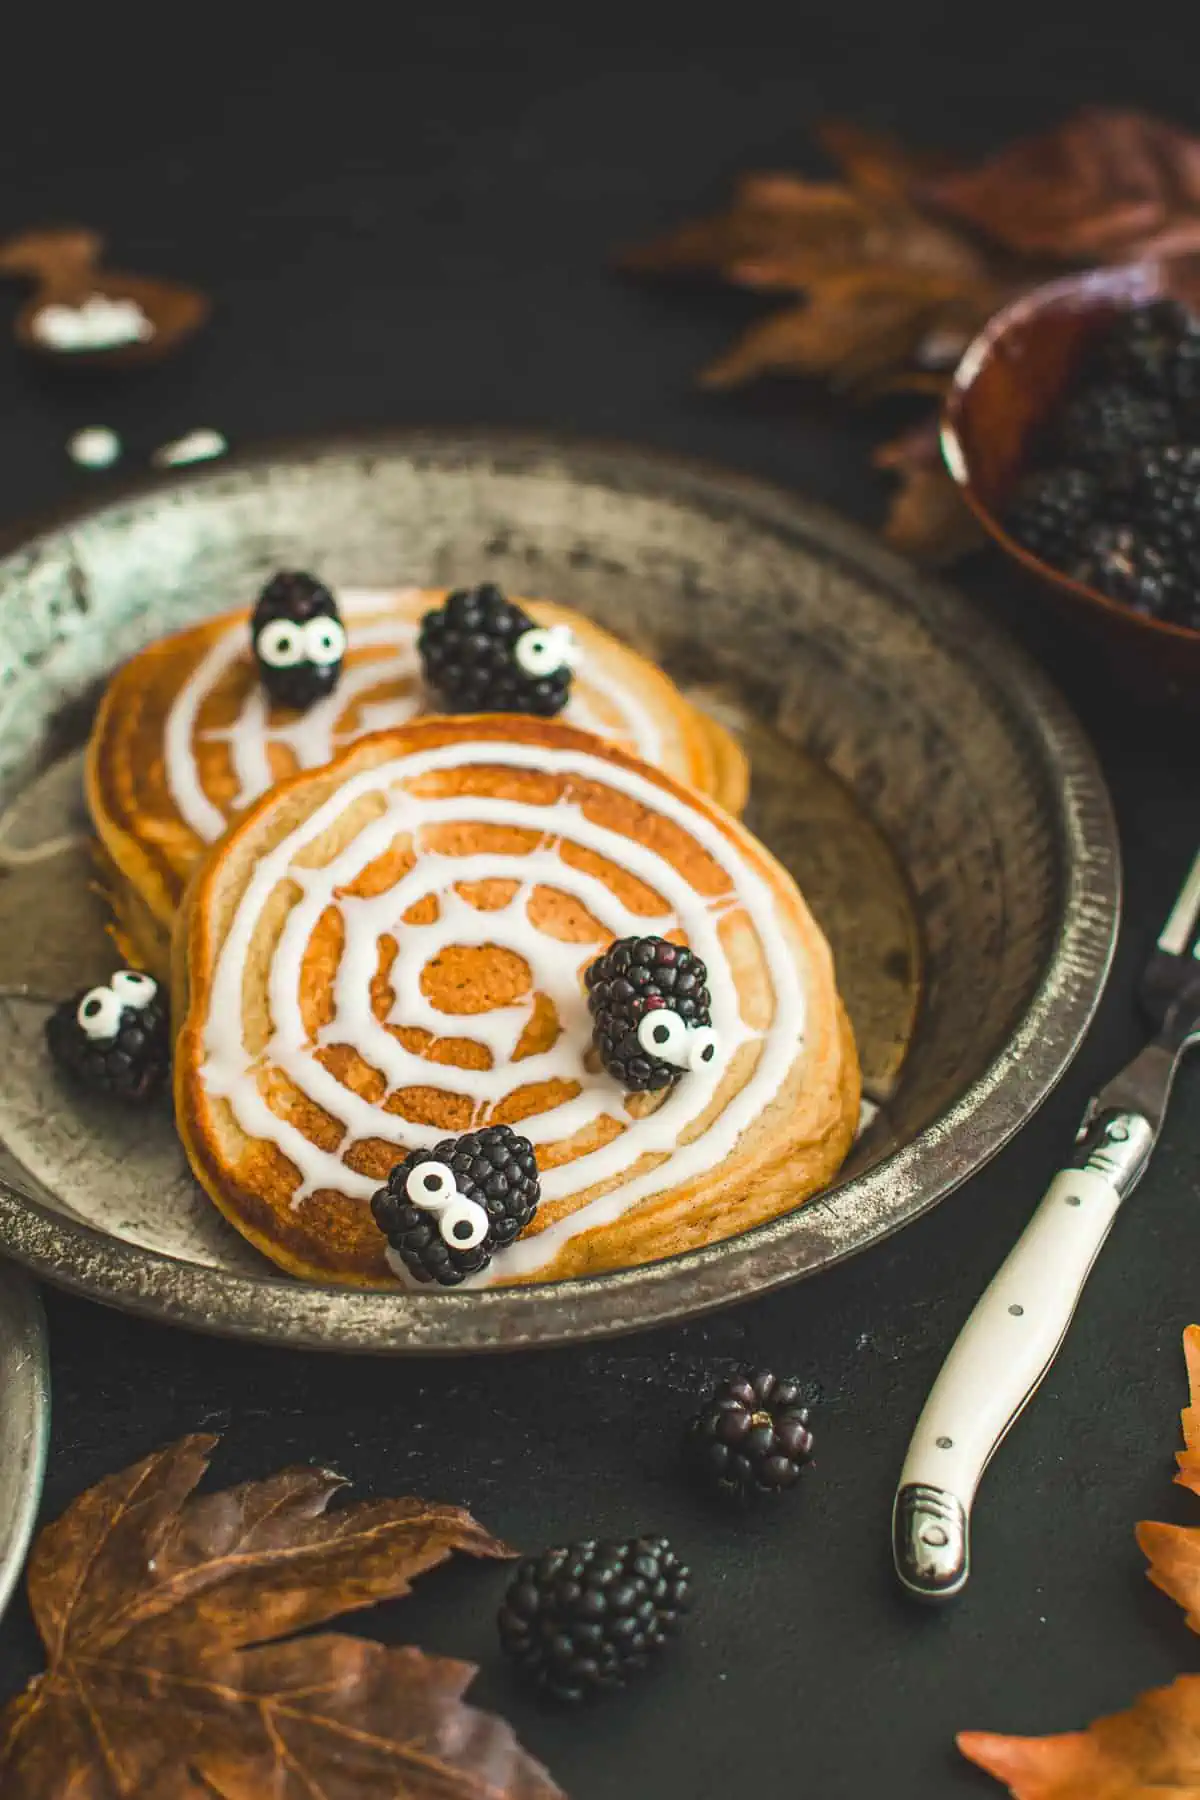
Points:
x=1008 y=384
x=66 y=269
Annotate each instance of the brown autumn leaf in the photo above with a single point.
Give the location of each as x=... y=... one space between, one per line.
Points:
x=173 y=1672
x=891 y=298
x=927 y=516
x=1151 y=1752
x=1153 y=1749
x=856 y=327
x=902 y=260
x=882 y=280
x=1106 y=186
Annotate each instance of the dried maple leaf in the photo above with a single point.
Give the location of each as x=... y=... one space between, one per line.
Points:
x=778 y=231
x=927 y=517
x=1153 y=1749
x=1173 y=1551
x=1151 y=1752
x=1188 y=1459
x=882 y=280
x=162 y=1612
x=877 y=163
x=903 y=260
x=856 y=327
x=1107 y=186
x=891 y=299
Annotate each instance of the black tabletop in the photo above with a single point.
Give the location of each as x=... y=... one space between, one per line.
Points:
x=420 y=235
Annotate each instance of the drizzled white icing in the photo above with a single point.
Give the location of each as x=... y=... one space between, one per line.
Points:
x=375 y=622
x=675 y=1131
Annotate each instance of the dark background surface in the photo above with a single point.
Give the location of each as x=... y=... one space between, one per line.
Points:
x=418 y=235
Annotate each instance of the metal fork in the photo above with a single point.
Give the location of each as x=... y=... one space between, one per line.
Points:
x=1014 y=1333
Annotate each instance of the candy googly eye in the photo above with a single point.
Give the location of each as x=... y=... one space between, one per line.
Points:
x=132 y=988
x=662 y=1033
x=463 y=1224
x=281 y=644
x=324 y=642
x=431 y=1185
x=701 y=1047
x=99 y=1013
x=544 y=652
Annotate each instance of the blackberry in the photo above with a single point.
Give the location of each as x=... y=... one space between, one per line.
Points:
x=583 y=1619
x=1126 y=567
x=1163 y=502
x=114 y=1039
x=650 y=1012
x=445 y=1212
x=1049 y=510
x=1141 y=349
x=1103 y=423
x=1185 y=376
x=752 y=1436
x=482 y=653
x=299 y=640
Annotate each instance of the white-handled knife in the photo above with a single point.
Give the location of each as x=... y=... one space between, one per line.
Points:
x=1013 y=1335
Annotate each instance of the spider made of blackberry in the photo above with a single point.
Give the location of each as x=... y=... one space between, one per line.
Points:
x=298 y=638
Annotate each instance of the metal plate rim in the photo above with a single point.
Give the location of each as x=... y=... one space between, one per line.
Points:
x=276 y=1310
x=24 y=1421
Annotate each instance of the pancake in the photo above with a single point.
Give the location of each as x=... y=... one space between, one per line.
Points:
x=185 y=738
x=392 y=949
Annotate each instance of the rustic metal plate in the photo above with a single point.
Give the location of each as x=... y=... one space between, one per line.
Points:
x=24 y=1420
x=936 y=802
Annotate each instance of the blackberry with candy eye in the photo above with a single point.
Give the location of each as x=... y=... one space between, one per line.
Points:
x=446 y=1212
x=299 y=640
x=650 y=1010
x=483 y=653
x=114 y=1038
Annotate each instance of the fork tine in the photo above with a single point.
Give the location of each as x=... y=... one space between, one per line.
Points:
x=1177 y=932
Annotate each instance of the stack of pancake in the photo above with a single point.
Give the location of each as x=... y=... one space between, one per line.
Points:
x=378 y=919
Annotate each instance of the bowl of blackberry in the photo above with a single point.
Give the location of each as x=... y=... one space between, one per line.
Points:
x=1073 y=430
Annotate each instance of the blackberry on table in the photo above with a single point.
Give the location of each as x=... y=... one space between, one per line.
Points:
x=650 y=1011
x=483 y=653
x=446 y=1212
x=583 y=1619
x=1123 y=565
x=753 y=1435
x=114 y=1038
x=1103 y=423
x=1049 y=510
x=299 y=639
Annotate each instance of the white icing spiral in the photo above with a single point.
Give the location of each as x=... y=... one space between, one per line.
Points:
x=555 y=970
x=376 y=622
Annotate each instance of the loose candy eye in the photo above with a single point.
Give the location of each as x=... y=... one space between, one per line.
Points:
x=99 y=1013
x=431 y=1185
x=132 y=988
x=662 y=1033
x=324 y=642
x=463 y=1224
x=281 y=644
x=701 y=1047
x=543 y=652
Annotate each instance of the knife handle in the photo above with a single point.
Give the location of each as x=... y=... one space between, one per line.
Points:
x=1001 y=1355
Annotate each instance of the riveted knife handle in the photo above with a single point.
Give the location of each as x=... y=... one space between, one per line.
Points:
x=1003 y=1352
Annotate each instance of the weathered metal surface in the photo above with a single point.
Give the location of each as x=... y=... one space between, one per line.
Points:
x=936 y=802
